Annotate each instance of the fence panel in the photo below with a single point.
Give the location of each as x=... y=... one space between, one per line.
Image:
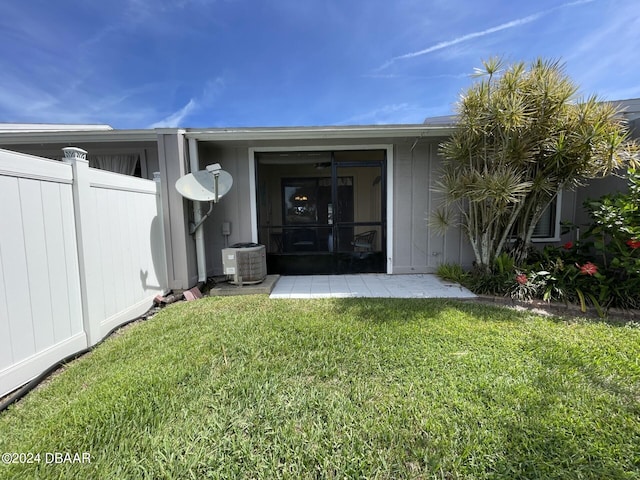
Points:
x=40 y=321
x=81 y=252
x=129 y=247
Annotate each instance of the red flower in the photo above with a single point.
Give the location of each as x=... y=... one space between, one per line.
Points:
x=633 y=243
x=568 y=246
x=588 y=269
x=521 y=278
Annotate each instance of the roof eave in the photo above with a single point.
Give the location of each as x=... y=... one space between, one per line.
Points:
x=17 y=138
x=319 y=133
x=231 y=134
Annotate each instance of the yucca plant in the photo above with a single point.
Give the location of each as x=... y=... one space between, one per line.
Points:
x=523 y=135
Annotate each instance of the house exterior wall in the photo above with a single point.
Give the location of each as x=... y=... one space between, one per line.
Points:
x=411 y=178
x=419 y=248
x=413 y=162
x=180 y=248
x=234 y=207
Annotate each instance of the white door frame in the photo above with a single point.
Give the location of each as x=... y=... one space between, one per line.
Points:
x=305 y=148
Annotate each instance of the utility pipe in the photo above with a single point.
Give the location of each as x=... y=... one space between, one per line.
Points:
x=201 y=259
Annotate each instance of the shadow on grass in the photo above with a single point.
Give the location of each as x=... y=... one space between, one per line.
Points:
x=554 y=429
x=484 y=311
x=412 y=309
x=562 y=420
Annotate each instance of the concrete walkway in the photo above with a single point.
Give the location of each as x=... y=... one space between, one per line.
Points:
x=372 y=285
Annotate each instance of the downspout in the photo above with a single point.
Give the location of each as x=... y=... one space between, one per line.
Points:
x=198 y=235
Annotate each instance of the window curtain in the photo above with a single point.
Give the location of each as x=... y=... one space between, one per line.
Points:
x=124 y=164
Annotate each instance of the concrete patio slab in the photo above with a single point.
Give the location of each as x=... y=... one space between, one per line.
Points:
x=371 y=285
x=226 y=289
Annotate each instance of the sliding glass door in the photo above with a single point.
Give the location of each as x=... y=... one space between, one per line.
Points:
x=359 y=226
x=322 y=212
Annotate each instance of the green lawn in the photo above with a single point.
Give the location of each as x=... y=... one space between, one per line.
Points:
x=247 y=387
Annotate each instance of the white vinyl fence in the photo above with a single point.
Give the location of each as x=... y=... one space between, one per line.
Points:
x=81 y=252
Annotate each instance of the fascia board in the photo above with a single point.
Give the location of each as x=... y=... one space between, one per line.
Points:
x=17 y=138
x=319 y=133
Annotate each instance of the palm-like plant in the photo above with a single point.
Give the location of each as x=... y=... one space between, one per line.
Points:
x=522 y=136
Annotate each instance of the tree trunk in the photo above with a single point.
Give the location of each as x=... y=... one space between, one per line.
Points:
x=521 y=253
x=505 y=234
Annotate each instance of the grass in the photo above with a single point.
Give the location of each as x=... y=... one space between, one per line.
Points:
x=247 y=387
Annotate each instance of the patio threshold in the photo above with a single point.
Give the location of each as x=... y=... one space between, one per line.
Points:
x=229 y=289
x=367 y=285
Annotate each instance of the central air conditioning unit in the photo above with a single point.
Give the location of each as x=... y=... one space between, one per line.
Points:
x=246 y=263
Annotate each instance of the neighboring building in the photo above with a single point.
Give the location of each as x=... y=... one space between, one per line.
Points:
x=321 y=199
x=130 y=152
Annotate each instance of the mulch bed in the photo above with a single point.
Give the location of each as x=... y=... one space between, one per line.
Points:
x=613 y=315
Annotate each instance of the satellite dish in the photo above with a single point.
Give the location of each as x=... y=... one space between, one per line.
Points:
x=201 y=186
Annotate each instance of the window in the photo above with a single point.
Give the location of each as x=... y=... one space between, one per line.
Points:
x=125 y=164
x=548 y=228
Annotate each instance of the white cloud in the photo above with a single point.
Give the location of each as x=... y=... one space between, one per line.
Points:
x=17 y=96
x=140 y=11
x=176 y=118
x=601 y=61
x=211 y=90
x=419 y=77
x=396 y=113
x=375 y=116
x=504 y=26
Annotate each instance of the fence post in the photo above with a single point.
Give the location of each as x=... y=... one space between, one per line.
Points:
x=85 y=222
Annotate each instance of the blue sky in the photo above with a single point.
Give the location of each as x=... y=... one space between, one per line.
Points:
x=226 y=63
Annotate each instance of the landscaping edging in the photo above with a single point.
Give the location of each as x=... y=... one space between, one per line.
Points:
x=616 y=315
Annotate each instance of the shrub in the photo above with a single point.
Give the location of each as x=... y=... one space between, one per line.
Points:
x=614 y=241
x=526 y=287
x=601 y=270
x=497 y=280
x=452 y=272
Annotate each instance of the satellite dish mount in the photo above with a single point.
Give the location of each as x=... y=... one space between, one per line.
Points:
x=215 y=169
